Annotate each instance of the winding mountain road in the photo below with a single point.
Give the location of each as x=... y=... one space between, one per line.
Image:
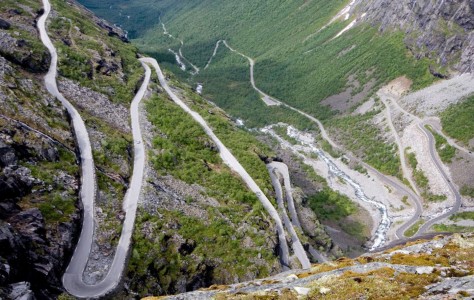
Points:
x=457 y=197
x=273 y=170
x=213 y=54
x=386 y=179
x=277 y=169
x=72 y=279
x=265 y=97
x=283 y=170
x=436 y=124
x=180 y=53
x=406 y=173
x=230 y=160
x=437 y=162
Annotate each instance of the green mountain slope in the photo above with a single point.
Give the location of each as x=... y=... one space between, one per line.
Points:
x=292 y=63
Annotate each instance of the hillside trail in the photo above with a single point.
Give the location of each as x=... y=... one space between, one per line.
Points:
x=180 y=53
x=214 y=53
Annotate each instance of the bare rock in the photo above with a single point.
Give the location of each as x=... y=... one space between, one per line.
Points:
x=424 y=270
x=16 y=181
x=4 y=24
x=21 y=52
x=4 y=273
x=452 y=286
x=429 y=27
x=21 y=291
x=7 y=155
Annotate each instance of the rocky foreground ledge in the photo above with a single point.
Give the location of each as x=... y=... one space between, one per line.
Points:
x=441 y=268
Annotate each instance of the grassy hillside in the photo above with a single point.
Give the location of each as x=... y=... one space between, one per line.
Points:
x=458 y=121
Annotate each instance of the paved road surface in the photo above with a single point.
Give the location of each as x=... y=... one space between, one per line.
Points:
x=282 y=169
x=88 y=187
x=438 y=164
x=230 y=160
x=406 y=173
x=72 y=279
x=454 y=190
x=273 y=169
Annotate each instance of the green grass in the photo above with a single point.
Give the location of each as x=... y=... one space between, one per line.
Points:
x=329 y=149
x=452 y=228
x=411 y=157
x=58 y=208
x=458 y=120
x=445 y=151
x=282 y=131
x=58 y=205
x=359 y=135
x=466 y=215
x=359 y=168
x=414 y=228
x=246 y=148
x=467 y=191
x=78 y=61
x=331 y=205
x=217 y=250
x=420 y=179
x=182 y=148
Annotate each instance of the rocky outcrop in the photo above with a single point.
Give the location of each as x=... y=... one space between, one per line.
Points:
x=438 y=30
x=4 y=24
x=440 y=268
x=19 y=52
x=33 y=251
x=17 y=29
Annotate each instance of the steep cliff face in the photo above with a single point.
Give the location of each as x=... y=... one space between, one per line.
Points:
x=439 y=30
